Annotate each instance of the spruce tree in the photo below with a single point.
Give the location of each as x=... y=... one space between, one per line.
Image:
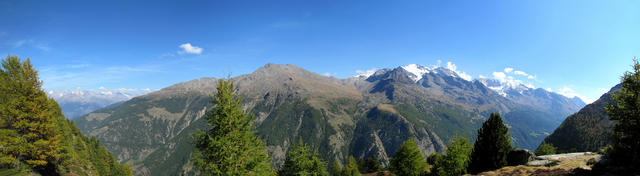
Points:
x=351 y=167
x=408 y=160
x=492 y=146
x=626 y=113
x=28 y=123
x=300 y=160
x=230 y=147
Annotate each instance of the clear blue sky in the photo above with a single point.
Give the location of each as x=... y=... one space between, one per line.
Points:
x=584 y=46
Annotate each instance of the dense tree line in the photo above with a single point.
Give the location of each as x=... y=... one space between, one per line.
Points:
x=35 y=135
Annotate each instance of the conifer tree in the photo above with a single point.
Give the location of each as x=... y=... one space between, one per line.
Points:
x=626 y=113
x=456 y=161
x=300 y=160
x=351 y=167
x=335 y=169
x=492 y=146
x=230 y=147
x=408 y=160
x=27 y=125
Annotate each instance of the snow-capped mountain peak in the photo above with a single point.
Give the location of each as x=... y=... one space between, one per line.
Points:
x=416 y=71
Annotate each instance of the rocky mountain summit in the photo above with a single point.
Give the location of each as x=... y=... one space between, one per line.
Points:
x=369 y=115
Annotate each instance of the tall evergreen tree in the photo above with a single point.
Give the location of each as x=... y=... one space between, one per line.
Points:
x=351 y=167
x=230 y=147
x=408 y=160
x=626 y=113
x=492 y=146
x=300 y=160
x=27 y=125
x=456 y=161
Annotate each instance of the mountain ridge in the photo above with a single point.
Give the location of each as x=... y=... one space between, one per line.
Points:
x=337 y=117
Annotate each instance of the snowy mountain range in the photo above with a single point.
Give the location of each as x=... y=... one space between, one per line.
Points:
x=75 y=103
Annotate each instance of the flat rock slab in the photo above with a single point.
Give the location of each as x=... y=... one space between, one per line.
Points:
x=563 y=156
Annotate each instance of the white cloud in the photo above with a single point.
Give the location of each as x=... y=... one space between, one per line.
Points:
x=508 y=69
x=35 y=44
x=568 y=92
x=549 y=89
x=188 y=48
x=531 y=77
x=365 y=73
x=499 y=76
x=462 y=75
x=481 y=76
x=518 y=72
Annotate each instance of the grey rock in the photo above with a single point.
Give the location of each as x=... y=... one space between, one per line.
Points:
x=520 y=157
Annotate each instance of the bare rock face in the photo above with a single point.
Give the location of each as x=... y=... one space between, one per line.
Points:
x=360 y=117
x=520 y=157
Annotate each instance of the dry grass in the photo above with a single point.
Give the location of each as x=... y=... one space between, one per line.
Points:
x=564 y=167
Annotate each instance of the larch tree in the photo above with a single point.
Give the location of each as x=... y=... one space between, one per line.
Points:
x=230 y=147
x=300 y=160
x=27 y=122
x=408 y=160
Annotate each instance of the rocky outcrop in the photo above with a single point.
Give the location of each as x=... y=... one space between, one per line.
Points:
x=520 y=157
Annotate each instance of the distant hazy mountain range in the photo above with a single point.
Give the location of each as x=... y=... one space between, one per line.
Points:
x=76 y=103
x=366 y=115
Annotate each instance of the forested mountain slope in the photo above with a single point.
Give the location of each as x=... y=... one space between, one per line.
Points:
x=361 y=116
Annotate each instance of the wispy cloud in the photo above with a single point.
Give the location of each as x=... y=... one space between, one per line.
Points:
x=508 y=69
x=31 y=43
x=462 y=74
x=190 y=49
x=569 y=92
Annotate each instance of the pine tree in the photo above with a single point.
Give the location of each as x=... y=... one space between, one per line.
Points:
x=351 y=168
x=456 y=161
x=545 y=149
x=626 y=113
x=408 y=160
x=230 y=147
x=301 y=161
x=492 y=146
x=27 y=128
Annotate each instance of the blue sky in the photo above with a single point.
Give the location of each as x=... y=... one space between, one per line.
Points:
x=573 y=47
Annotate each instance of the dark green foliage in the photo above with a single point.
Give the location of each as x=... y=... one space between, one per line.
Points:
x=492 y=146
x=545 y=149
x=626 y=114
x=369 y=165
x=456 y=161
x=408 y=160
x=351 y=167
x=67 y=152
x=334 y=169
x=300 y=160
x=230 y=146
